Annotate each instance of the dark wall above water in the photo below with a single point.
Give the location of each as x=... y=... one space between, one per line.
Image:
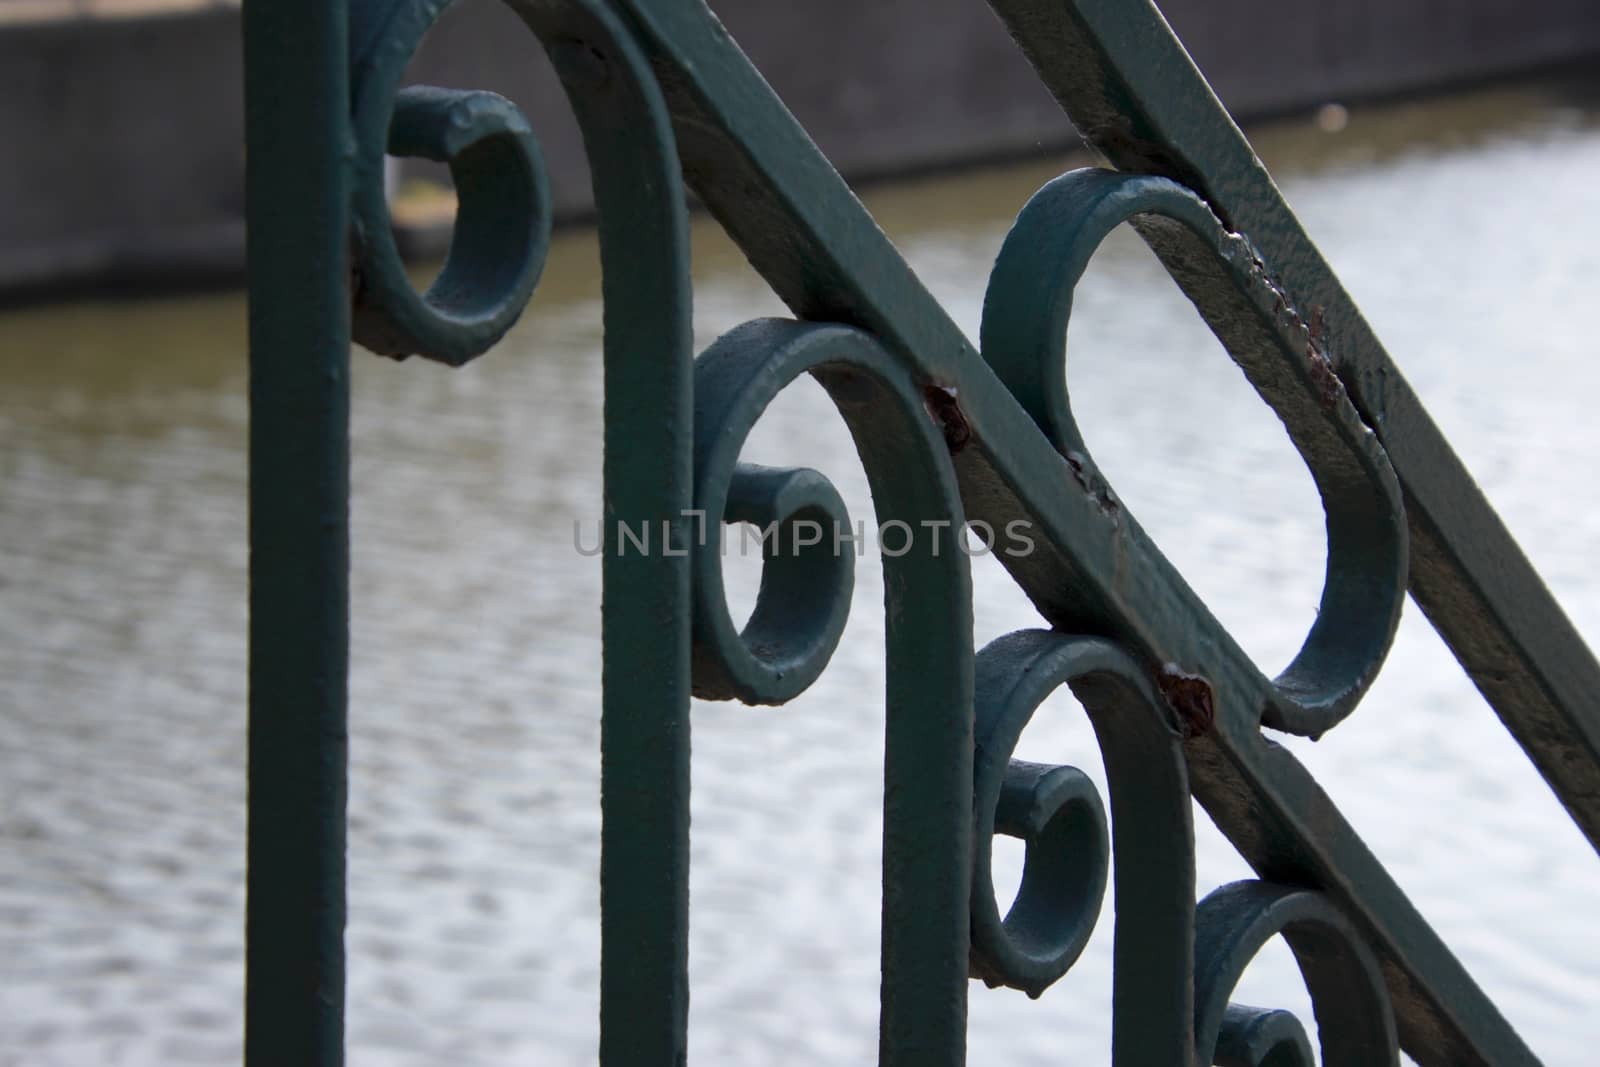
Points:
x=123 y=150
x=125 y=162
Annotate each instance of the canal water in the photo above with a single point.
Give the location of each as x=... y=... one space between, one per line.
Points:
x=1467 y=231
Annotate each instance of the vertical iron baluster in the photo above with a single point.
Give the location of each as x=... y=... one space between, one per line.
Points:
x=648 y=472
x=297 y=175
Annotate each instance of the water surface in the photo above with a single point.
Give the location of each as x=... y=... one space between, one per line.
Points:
x=1466 y=231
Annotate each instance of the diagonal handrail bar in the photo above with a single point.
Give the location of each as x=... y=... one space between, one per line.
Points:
x=1138 y=99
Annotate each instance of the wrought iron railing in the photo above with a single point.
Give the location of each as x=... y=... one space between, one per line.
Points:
x=948 y=435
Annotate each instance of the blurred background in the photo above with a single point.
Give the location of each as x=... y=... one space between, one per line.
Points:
x=1443 y=156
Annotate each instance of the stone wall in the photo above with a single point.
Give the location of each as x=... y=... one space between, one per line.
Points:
x=125 y=156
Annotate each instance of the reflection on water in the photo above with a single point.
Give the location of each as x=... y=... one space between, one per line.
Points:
x=1466 y=231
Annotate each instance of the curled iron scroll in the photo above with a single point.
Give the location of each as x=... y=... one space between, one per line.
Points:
x=495 y=256
x=800 y=613
x=805 y=588
x=1056 y=812
x=1026 y=312
x=502 y=227
x=806 y=581
x=1176 y=964
x=1355 y=1021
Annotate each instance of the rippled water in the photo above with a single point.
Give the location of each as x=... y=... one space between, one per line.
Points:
x=1467 y=232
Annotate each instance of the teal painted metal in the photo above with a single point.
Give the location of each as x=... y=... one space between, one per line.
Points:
x=948 y=434
x=299 y=193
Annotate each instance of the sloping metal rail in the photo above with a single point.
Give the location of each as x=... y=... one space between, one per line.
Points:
x=948 y=435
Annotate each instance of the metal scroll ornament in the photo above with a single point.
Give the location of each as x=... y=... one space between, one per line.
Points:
x=949 y=432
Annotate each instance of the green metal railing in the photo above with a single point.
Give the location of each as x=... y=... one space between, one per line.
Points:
x=948 y=435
